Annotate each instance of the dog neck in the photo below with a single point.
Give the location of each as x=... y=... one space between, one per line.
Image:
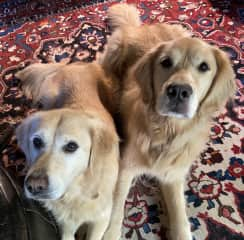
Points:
x=158 y=136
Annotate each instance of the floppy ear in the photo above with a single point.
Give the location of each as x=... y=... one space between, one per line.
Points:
x=144 y=73
x=40 y=82
x=223 y=86
x=23 y=133
x=104 y=149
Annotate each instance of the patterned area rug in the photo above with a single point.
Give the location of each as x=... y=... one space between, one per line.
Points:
x=69 y=33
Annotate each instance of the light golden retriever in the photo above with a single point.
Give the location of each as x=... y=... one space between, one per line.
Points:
x=171 y=85
x=72 y=151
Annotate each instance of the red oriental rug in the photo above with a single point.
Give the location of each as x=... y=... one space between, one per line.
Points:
x=69 y=31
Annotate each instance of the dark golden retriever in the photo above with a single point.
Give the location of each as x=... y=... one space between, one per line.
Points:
x=171 y=85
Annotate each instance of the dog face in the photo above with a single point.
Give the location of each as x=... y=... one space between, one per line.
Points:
x=178 y=76
x=58 y=147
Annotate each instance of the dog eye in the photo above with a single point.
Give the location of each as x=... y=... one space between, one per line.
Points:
x=70 y=147
x=167 y=63
x=203 y=67
x=38 y=143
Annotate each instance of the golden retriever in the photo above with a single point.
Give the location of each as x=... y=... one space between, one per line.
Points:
x=171 y=85
x=72 y=150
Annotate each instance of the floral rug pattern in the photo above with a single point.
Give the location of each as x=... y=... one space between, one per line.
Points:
x=215 y=184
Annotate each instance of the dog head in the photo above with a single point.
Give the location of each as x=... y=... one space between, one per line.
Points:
x=59 y=146
x=182 y=77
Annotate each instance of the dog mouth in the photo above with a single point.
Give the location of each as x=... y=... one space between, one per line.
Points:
x=42 y=196
x=176 y=109
x=179 y=110
x=174 y=112
x=177 y=100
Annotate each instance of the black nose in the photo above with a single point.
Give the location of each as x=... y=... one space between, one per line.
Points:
x=37 y=182
x=179 y=92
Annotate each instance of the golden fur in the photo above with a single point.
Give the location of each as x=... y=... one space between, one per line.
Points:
x=81 y=183
x=156 y=141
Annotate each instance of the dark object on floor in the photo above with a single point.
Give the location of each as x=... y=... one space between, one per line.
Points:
x=6 y=132
x=20 y=218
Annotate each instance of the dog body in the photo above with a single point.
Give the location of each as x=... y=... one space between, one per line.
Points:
x=73 y=150
x=171 y=85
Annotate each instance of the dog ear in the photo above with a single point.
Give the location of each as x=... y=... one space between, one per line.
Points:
x=23 y=133
x=223 y=86
x=41 y=83
x=104 y=149
x=144 y=73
